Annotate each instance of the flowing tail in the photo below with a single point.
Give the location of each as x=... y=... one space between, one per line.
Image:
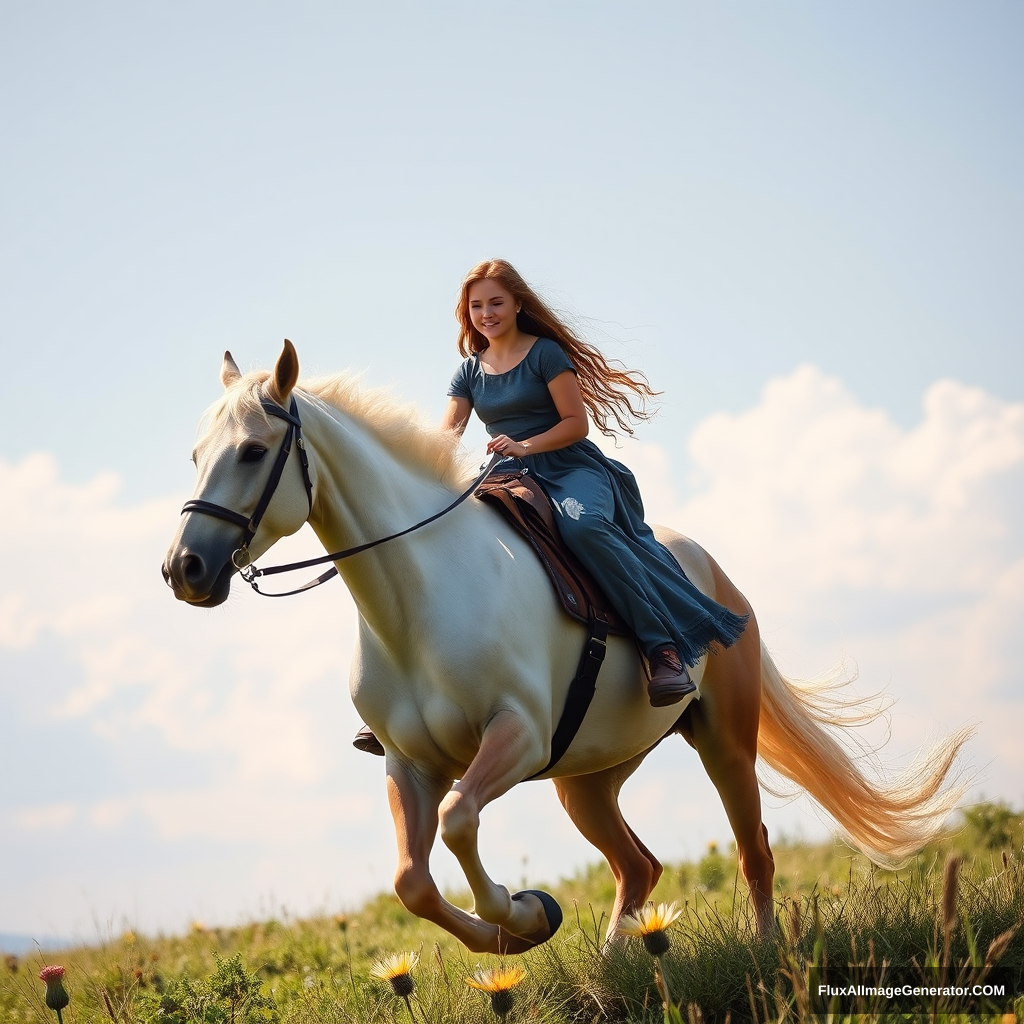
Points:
x=889 y=822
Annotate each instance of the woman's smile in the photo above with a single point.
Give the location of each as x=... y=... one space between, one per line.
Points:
x=492 y=309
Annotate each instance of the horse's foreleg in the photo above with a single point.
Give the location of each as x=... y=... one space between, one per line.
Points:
x=592 y=801
x=509 y=751
x=414 y=800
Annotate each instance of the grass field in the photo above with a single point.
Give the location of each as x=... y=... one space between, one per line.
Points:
x=841 y=923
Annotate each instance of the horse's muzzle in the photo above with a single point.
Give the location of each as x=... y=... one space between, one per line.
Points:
x=192 y=579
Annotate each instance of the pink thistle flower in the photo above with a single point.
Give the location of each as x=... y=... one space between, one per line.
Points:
x=56 y=996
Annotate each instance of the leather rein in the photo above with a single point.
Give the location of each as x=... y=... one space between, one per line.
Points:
x=240 y=558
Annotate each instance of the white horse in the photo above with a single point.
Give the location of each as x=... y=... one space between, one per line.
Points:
x=464 y=659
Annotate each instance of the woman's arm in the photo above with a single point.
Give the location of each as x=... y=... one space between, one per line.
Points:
x=572 y=427
x=456 y=416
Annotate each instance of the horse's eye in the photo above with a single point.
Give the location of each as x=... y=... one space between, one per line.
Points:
x=253 y=453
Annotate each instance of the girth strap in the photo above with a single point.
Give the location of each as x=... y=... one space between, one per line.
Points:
x=581 y=693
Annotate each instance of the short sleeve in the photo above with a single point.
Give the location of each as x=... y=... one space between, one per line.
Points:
x=551 y=360
x=459 y=387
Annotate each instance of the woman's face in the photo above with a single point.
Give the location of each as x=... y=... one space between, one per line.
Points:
x=492 y=309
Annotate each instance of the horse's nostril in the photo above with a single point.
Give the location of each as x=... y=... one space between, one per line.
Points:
x=192 y=568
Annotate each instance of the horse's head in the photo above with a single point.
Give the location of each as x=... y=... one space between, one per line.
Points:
x=252 y=488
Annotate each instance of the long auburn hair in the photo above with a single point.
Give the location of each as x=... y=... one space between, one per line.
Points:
x=608 y=392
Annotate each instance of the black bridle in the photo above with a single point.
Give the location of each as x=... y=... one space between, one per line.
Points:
x=250 y=524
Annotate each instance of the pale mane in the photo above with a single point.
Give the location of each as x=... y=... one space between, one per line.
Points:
x=398 y=426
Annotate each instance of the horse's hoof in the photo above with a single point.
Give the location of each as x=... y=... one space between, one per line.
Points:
x=552 y=911
x=511 y=943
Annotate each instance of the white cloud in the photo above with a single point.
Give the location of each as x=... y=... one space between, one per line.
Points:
x=228 y=812
x=850 y=534
x=240 y=682
x=811 y=482
x=50 y=817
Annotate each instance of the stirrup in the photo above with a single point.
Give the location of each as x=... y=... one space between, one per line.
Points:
x=365 y=740
x=670 y=679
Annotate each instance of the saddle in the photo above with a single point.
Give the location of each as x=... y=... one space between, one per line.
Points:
x=524 y=503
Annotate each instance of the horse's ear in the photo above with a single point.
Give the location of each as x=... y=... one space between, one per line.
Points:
x=229 y=371
x=285 y=375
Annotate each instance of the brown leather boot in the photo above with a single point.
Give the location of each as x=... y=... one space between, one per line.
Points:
x=670 y=679
x=365 y=740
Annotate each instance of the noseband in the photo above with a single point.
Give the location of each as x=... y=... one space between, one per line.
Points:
x=240 y=557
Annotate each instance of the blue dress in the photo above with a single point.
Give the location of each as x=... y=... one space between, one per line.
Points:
x=601 y=515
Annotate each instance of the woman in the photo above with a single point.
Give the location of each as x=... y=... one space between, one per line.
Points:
x=535 y=384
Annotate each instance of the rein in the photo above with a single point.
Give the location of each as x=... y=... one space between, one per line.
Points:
x=240 y=557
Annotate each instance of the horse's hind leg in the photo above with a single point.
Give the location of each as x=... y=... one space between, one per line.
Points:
x=592 y=801
x=722 y=726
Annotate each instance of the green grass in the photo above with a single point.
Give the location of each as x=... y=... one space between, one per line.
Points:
x=841 y=922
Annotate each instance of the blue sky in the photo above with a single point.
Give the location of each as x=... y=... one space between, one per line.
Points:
x=803 y=222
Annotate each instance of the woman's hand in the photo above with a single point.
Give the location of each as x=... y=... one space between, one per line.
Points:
x=504 y=445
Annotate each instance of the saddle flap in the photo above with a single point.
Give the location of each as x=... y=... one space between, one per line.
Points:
x=523 y=501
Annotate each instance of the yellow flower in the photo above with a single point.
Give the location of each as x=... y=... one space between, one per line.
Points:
x=650 y=924
x=397 y=969
x=498 y=983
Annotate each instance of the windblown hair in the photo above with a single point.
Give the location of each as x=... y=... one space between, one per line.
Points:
x=608 y=392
